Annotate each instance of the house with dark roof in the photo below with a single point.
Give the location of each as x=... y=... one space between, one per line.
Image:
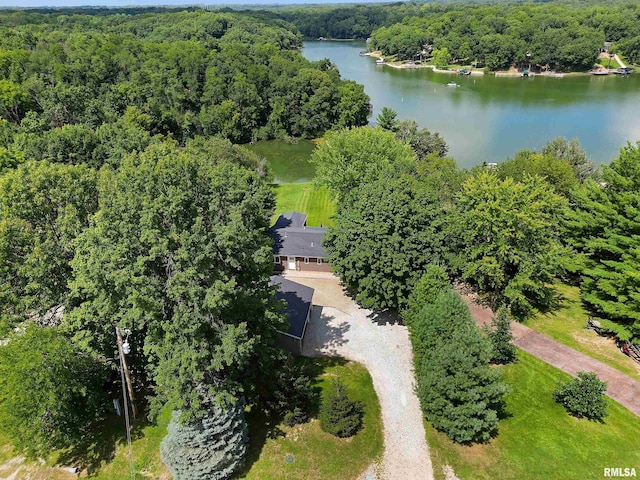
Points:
x=298 y=311
x=296 y=246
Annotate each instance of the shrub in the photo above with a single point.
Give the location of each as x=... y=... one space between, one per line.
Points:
x=339 y=415
x=290 y=394
x=583 y=396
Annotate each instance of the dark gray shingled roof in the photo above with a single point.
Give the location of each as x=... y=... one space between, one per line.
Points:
x=292 y=237
x=298 y=298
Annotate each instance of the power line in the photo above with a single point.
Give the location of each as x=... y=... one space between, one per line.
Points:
x=126 y=407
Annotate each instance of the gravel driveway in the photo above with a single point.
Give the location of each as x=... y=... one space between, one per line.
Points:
x=341 y=327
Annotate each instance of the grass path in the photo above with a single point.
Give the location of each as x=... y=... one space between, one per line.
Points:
x=538 y=439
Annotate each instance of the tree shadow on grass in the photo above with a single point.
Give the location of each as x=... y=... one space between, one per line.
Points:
x=263 y=426
x=550 y=303
x=99 y=445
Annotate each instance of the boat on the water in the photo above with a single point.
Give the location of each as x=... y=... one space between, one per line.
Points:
x=600 y=71
x=380 y=61
x=452 y=84
x=363 y=53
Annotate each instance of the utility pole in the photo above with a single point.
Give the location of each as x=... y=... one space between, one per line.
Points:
x=123 y=362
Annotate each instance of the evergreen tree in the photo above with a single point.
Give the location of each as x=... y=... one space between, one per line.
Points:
x=583 y=396
x=387 y=119
x=604 y=226
x=339 y=415
x=459 y=392
x=434 y=281
x=500 y=336
x=211 y=448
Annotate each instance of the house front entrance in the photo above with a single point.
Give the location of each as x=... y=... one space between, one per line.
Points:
x=291 y=263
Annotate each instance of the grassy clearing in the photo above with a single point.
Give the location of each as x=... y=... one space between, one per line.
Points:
x=146 y=454
x=288 y=162
x=317 y=203
x=608 y=63
x=316 y=454
x=538 y=439
x=566 y=325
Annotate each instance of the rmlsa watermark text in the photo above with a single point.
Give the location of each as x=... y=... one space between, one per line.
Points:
x=619 y=472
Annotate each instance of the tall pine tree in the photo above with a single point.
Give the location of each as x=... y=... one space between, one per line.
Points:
x=605 y=225
x=459 y=392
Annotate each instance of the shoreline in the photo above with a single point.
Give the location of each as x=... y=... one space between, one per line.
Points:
x=406 y=66
x=512 y=73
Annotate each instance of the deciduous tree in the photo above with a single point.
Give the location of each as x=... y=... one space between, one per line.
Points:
x=349 y=158
x=50 y=392
x=386 y=233
x=506 y=239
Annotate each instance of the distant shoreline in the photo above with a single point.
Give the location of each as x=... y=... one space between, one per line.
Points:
x=511 y=73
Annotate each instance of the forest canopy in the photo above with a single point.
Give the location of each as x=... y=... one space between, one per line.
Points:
x=89 y=89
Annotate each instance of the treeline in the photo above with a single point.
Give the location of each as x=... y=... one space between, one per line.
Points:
x=510 y=231
x=497 y=37
x=353 y=21
x=85 y=89
x=563 y=36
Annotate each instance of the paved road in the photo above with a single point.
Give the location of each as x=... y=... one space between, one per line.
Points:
x=622 y=388
x=339 y=327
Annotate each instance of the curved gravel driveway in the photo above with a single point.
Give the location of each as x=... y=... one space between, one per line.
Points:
x=339 y=327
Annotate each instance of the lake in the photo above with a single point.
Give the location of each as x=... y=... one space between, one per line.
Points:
x=490 y=119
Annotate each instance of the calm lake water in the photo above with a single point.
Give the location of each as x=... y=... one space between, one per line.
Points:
x=488 y=118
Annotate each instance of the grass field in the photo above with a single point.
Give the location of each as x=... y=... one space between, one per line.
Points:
x=316 y=454
x=288 y=162
x=538 y=439
x=317 y=203
x=566 y=325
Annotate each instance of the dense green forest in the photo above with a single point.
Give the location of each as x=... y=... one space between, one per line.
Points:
x=565 y=36
x=87 y=88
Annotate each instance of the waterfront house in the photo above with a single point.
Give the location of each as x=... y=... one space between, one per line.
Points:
x=297 y=247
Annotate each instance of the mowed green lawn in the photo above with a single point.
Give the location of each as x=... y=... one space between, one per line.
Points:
x=317 y=203
x=318 y=455
x=566 y=325
x=288 y=162
x=538 y=439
